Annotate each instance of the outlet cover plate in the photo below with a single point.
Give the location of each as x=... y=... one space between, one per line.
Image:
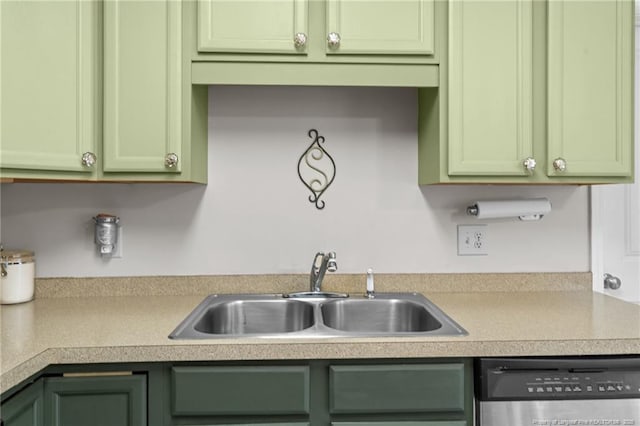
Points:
x=472 y=240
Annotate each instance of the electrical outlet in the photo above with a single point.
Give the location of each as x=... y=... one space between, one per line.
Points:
x=472 y=240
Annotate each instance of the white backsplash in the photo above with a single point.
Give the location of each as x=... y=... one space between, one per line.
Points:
x=254 y=215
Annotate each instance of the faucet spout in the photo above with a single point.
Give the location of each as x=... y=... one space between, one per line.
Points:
x=321 y=264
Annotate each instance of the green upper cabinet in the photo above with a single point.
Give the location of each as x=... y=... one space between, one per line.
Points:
x=532 y=92
x=49 y=110
x=142 y=86
x=318 y=30
x=490 y=87
x=392 y=43
x=253 y=26
x=403 y=27
x=590 y=88
x=99 y=90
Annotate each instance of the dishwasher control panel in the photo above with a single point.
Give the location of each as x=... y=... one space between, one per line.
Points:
x=558 y=378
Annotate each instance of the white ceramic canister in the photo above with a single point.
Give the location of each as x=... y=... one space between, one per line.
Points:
x=18 y=273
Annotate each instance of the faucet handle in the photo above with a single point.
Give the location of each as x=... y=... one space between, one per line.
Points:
x=370 y=286
x=332 y=265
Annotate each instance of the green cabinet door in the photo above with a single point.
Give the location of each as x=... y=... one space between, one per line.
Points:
x=252 y=26
x=268 y=424
x=96 y=401
x=25 y=408
x=404 y=423
x=251 y=390
x=490 y=94
x=409 y=388
x=49 y=53
x=590 y=88
x=142 y=86
x=395 y=27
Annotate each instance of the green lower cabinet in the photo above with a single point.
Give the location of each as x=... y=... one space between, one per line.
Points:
x=251 y=390
x=266 y=424
x=411 y=392
x=26 y=408
x=322 y=393
x=401 y=423
x=410 y=388
x=96 y=401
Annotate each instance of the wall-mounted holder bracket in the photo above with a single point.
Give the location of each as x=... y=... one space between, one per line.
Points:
x=523 y=209
x=106 y=233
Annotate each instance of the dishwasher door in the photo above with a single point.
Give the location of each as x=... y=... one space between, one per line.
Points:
x=586 y=412
x=580 y=391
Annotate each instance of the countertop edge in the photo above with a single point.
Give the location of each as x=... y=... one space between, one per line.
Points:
x=282 y=350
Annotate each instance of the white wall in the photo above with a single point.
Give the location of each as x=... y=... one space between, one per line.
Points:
x=254 y=216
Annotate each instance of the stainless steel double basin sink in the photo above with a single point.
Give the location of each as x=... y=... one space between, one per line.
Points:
x=315 y=315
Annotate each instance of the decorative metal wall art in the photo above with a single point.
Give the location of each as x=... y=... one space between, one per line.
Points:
x=316 y=169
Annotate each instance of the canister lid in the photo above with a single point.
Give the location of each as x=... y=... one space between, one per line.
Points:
x=106 y=218
x=16 y=256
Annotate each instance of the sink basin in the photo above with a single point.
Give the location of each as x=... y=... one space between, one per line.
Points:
x=246 y=315
x=378 y=315
x=256 y=316
x=315 y=315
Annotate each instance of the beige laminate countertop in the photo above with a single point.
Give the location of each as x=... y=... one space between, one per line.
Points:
x=134 y=328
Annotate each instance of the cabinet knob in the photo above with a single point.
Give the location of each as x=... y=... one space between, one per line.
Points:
x=171 y=160
x=89 y=159
x=529 y=164
x=333 y=40
x=560 y=165
x=300 y=40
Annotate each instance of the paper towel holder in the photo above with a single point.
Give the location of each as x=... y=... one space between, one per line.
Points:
x=524 y=209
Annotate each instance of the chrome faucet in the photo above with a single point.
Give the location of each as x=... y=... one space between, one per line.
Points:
x=321 y=264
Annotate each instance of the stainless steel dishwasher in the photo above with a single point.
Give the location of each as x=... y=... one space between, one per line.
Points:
x=558 y=391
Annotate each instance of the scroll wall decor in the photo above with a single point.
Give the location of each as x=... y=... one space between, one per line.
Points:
x=316 y=169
